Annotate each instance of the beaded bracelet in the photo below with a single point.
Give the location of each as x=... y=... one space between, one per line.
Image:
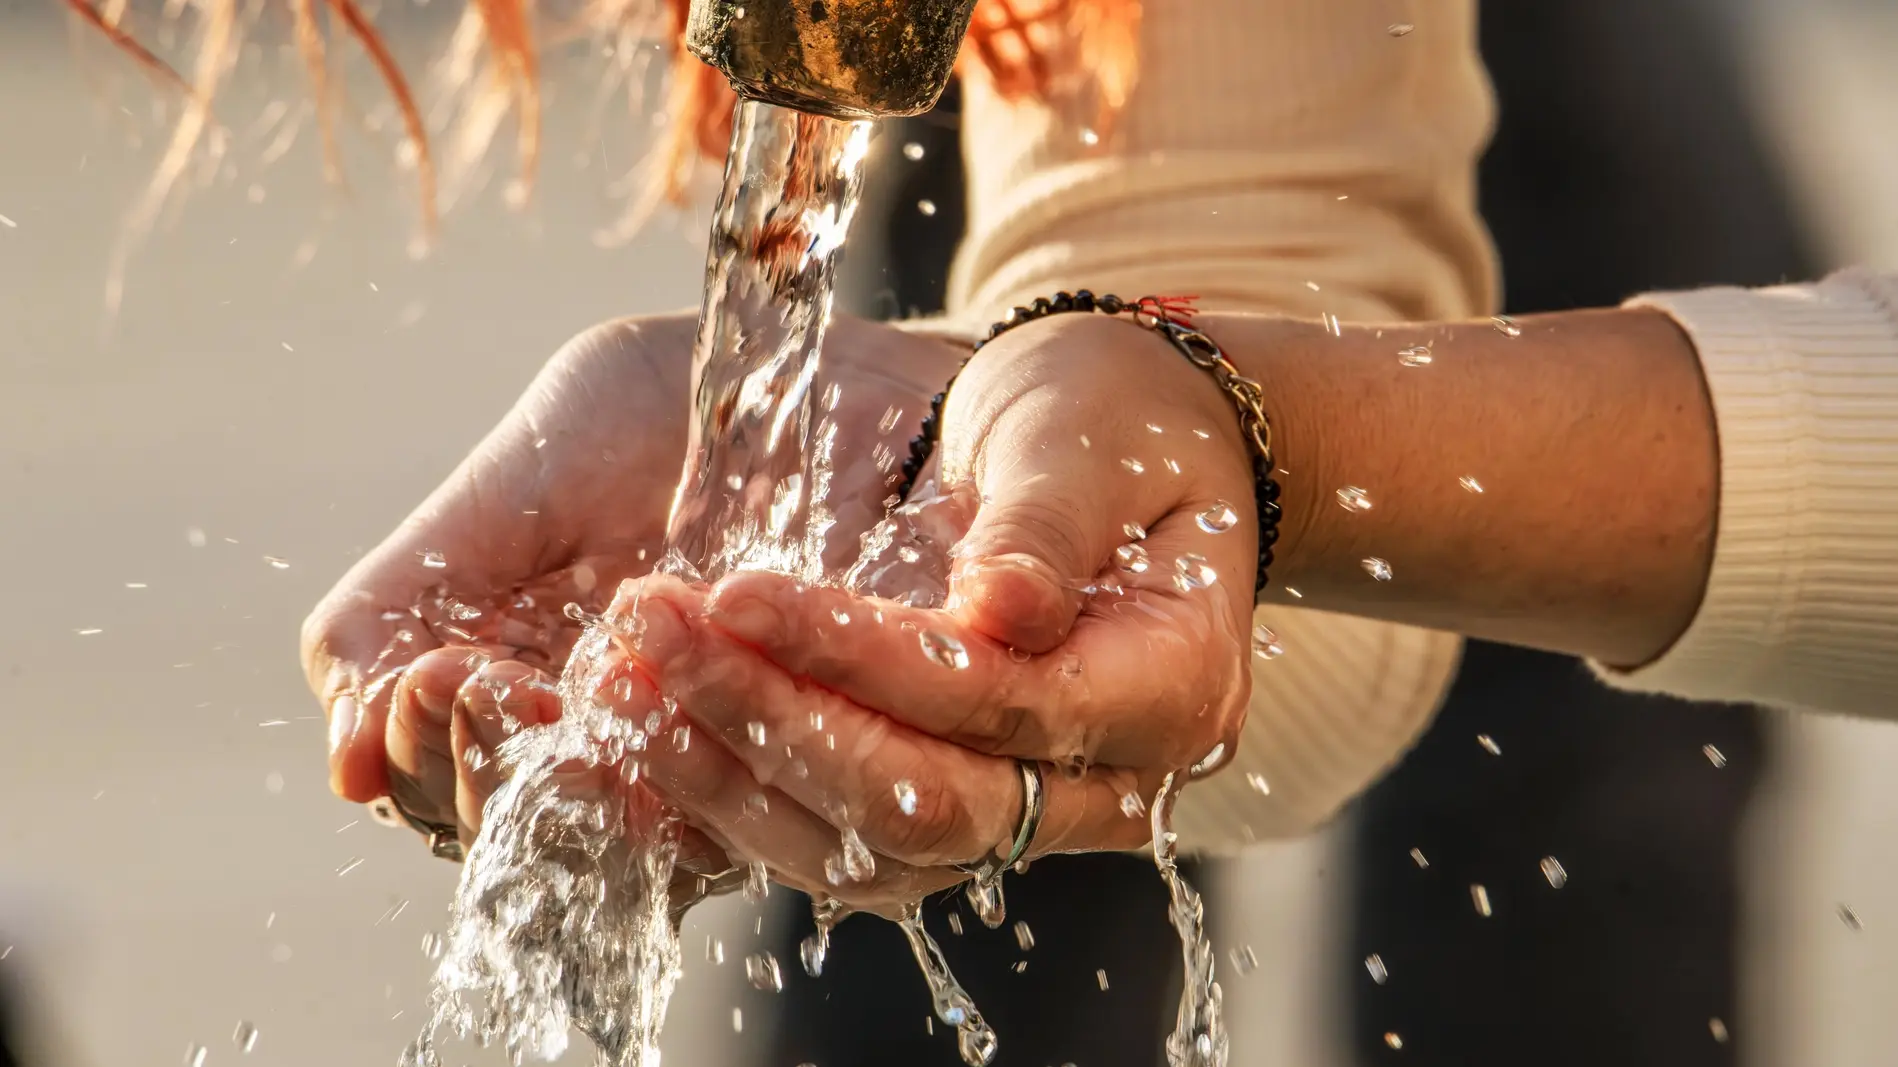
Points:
x=1170 y=318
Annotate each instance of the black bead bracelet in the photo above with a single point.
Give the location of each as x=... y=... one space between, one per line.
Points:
x=1170 y=318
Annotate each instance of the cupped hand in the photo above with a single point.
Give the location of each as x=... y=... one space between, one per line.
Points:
x=833 y=798
x=449 y=635
x=1098 y=621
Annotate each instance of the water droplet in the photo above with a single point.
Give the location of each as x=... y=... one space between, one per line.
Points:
x=1132 y=806
x=1479 y=896
x=1506 y=326
x=763 y=972
x=1265 y=642
x=1850 y=918
x=955 y=924
x=714 y=951
x=1133 y=465
x=681 y=738
x=912 y=151
x=944 y=650
x=812 y=952
x=735 y=483
x=1353 y=498
x=927 y=207
x=1489 y=744
x=905 y=791
x=1258 y=783
x=273 y=783
x=245 y=1037
x=987 y=903
x=1085 y=443
x=1714 y=755
x=194 y=1056
x=1172 y=465
x=1377 y=568
x=976 y=1044
x=1100 y=979
x=1374 y=963
x=859 y=864
x=1718 y=1029
x=1089 y=137
x=432 y=945
x=1414 y=356
x=1417 y=857
x=1293 y=593
x=1217 y=519
x=1134 y=530
x=1210 y=762
x=433 y=559
x=1470 y=484
x=738 y=1020
x=757 y=806
x=754 y=730
x=1552 y=870
x=278 y=562
x=1393 y=1040
x=1244 y=960
x=1191 y=571
x=1132 y=558
x=1024 y=936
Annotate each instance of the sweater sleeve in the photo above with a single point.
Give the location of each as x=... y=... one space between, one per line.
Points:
x=1801 y=604
x=1296 y=156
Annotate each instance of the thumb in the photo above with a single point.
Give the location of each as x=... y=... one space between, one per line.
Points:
x=1043 y=532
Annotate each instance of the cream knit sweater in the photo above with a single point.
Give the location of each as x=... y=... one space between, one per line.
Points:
x=1305 y=156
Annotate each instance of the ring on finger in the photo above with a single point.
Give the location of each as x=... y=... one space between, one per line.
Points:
x=1033 y=806
x=444 y=842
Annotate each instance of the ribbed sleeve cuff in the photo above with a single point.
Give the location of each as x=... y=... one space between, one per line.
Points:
x=1327 y=718
x=1801 y=604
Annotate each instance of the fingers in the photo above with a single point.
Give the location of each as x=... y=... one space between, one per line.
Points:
x=908 y=796
x=749 y=818
x=911 y=796
x=490 y=705
x=417 y=731
x=1152 y=677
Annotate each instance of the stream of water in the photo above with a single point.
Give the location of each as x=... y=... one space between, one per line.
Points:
x=563 y=919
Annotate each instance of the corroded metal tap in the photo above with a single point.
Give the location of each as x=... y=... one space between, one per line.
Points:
x=852 y=59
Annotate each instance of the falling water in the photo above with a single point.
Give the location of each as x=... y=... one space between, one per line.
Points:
x=564 y=917
x=1199 y=1034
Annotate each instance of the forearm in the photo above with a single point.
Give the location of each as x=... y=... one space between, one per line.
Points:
x=1590 y=436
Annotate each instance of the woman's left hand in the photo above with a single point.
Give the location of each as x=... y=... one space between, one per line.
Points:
x=1099 y=622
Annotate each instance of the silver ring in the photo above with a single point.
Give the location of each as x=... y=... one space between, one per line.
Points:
x=444 y=842
x=1033 y=806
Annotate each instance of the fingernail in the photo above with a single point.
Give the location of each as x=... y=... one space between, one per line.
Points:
x=750 y=618
x=440 y=712
x=343 y=717
x=481 y=697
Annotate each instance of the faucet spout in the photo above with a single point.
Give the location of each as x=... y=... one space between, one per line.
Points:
x=850 y=59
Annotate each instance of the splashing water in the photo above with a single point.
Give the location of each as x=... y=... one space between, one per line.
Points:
x=1199 y=1033
x=563 y=919
x=975 y=1039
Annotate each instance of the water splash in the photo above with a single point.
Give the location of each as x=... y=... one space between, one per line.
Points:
x=563 y=919
x=1199 y=1032
x=975 y=1039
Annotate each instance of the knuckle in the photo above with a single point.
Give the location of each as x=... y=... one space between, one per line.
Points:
x=1051 y=525
x=935 y=832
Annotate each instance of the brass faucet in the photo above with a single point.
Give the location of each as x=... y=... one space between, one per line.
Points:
x=854 y=59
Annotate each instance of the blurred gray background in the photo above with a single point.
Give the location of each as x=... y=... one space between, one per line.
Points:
x=286 y=380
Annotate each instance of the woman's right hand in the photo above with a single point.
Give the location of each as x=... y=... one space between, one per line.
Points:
x=450 y=634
